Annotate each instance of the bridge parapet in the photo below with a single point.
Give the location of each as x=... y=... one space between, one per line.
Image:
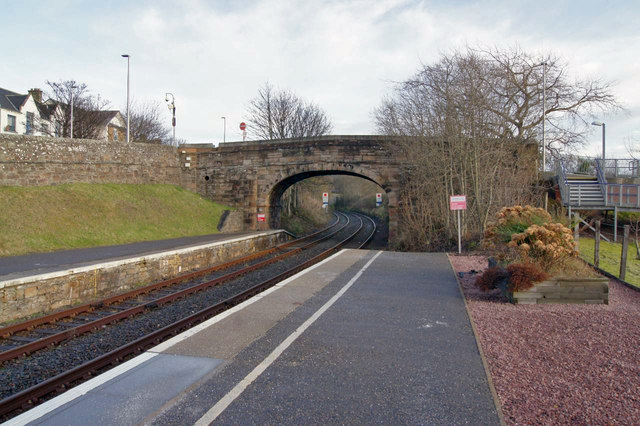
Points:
x=253 y=175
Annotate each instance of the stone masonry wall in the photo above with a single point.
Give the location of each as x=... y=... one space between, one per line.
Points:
x=252 y=175
x=37 y=160
x=21 y=298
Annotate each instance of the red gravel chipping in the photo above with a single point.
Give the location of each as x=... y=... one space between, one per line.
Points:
x=559 y=364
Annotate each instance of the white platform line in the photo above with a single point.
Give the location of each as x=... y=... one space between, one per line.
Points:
x=70 y=395
x=222 y=405
x=186 y=334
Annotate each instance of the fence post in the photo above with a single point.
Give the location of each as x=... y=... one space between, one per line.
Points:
x=596 y=249
x=576 y=231
x=625 y=249
x=615 y=224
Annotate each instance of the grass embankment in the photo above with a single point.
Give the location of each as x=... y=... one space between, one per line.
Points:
x=610 y=258
x=47 y=218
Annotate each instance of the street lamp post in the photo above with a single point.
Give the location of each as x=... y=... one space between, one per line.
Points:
x=544 y=118
x=224 y=129
x=544 y=124
x=128 y=114
x=599 y=123
x=172 y=107
x=72 y=87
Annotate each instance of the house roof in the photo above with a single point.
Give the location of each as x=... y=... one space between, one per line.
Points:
x=106 y=116
x=11 y=100
x=46 y=109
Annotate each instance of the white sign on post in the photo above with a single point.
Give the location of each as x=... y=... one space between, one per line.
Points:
x=378 y=199
x=458 y=202
x=325 y=198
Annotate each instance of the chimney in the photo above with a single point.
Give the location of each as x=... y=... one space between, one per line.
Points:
x=37 y=95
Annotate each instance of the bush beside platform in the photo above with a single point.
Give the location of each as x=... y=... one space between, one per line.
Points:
x=536 y=261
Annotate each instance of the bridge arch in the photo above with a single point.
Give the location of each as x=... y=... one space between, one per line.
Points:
x=252 y=176
x=272 y=202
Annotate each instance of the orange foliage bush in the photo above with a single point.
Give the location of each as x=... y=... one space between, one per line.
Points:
x=510 y=221
x=529 y=237
x=548 y=244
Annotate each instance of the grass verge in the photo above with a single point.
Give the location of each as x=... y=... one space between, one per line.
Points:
x=610 y=258
x=48 y=218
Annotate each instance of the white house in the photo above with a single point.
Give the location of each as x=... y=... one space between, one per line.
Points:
x=29 y=115
x=26 y=114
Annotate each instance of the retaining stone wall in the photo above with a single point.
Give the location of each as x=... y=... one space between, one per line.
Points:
x=21 y=298
x=234 y=222
x=38 y=160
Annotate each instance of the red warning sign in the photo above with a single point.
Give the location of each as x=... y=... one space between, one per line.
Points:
x=261 y=217
x=458 y=202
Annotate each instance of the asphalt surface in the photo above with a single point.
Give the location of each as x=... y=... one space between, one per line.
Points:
x=397 y=348
x=40 y=263
x=394 y=348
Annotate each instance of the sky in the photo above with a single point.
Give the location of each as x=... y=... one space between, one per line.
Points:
x=345 y=56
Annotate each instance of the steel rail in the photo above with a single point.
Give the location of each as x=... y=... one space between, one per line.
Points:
x=72 y=332
x=370 y=237
x=63 y=381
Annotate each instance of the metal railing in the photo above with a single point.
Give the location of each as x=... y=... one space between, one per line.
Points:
x=621 y=167
x=602 y=180
x=581 y=196
x=614 y=194
x=578 y=165
x=623 y=195
x=562 y=180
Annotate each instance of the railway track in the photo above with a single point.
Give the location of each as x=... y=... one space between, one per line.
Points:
x=27 y=337
x=158 y=318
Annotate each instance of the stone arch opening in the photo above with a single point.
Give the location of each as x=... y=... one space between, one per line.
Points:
x=278 y=189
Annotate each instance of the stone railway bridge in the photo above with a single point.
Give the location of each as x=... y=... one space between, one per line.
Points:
x=252 y=176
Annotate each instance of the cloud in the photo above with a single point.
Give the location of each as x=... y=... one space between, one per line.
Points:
x=214 y=55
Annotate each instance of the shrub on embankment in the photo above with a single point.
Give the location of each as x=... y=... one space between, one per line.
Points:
x=47 y=218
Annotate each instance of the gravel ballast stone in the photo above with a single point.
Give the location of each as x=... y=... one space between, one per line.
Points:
x=558 y=364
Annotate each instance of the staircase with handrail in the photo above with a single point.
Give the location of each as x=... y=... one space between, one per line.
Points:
x=583 y=184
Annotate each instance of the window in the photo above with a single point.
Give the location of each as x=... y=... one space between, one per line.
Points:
x=30 y=118
x=115 y=134
x=11 y=123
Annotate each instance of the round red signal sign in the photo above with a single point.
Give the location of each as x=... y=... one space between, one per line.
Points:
x=243 y=125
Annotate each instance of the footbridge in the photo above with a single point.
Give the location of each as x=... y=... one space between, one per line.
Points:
x=252 y=176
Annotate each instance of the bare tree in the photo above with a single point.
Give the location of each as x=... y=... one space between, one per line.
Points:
x=472 y=123
x=146 y=123
x=280 y=114
x=88 y=119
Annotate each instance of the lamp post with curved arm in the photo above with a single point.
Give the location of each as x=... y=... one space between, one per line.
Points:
x=172 y=107
x=601 y=124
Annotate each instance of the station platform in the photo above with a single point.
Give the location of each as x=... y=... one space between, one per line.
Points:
x=14 y=267
x=364 y=337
